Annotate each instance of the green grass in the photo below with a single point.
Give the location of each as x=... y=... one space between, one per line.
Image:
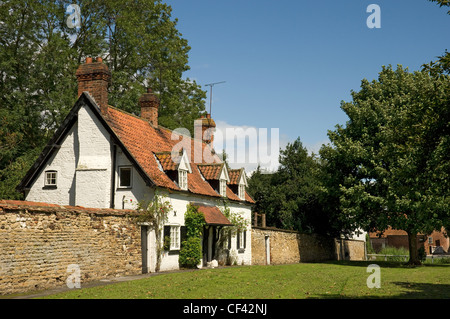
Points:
x=304 y=280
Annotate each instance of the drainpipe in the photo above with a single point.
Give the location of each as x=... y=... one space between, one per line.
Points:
x=113 y=177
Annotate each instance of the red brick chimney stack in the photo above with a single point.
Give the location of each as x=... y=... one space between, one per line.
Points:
x=207 y=123
x=94 y=77
x=149 y=104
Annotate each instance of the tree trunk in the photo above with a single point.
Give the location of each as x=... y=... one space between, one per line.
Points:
x=413 y=251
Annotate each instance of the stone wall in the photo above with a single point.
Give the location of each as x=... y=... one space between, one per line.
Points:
x=350 y=249
x=38 y=242
x=288 y=247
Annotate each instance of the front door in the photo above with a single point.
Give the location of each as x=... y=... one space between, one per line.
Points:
x=144 y=248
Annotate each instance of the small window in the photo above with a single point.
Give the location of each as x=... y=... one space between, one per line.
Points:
x=125 y=177
x=242 y=191
x=430 y=240
x=223 y=187
x=50 y=178
x=241 y=239
x=174 y=237
x=182 y=179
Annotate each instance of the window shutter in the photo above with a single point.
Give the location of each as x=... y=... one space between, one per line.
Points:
x=237 y=240
x=229 y=240
x=183 y=235
x=245 y=239
x=166 y=232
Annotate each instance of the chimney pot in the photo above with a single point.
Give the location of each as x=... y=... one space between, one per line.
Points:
x=99 y=59
x=88 y=60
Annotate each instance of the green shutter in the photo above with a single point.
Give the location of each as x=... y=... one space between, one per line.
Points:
x=183 y=235
x=166 y=231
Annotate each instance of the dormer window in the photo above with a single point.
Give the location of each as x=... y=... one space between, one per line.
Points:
x=182 y=179
x=223 y=187
x=241 y=191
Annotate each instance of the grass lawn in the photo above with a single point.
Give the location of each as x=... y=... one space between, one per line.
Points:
x=299 y=281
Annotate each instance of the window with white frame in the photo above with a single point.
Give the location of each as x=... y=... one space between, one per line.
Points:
x=223 y=187
x=50 y=178
x=182 y=179
x=241 y=240
x=174 y=237
x=125 y=177
x=242 y=191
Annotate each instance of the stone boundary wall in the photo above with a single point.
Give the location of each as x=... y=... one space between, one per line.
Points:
x=288 y=247
x=38 y=241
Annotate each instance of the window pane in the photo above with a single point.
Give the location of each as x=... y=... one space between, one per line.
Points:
x=183 y=179
x=50 y=178
x=125 y=177
x=174 y=237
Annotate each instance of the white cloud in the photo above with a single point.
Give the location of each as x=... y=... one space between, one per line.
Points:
x=248 y=146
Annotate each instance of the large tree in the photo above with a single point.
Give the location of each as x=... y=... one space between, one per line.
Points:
x=390 y=164
x=40 y=52
x=291 y=196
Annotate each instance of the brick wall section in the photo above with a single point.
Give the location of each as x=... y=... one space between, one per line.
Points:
x=292 y=247
x=39 y=241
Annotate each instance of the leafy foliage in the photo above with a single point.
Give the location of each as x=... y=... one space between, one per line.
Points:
x=191 y=249
x=390 y=164
x=194 y=221
x=190 y=253
x=39 y=55
x=291 y=197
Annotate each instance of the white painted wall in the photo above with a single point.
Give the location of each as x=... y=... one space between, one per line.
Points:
x=127 y=198
x=93 y=173
x=179 y=203
x=83 y=165
x=63 y=161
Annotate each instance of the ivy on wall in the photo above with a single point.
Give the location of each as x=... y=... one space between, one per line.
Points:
x=191 y=249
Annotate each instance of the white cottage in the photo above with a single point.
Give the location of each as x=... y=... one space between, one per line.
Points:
x=103 y=157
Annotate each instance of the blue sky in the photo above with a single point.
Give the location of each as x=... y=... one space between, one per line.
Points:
x=289 y=64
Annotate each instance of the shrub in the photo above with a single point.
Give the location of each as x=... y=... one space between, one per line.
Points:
x=190 y=253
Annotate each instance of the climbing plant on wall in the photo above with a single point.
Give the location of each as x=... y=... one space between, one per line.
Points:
x=239 y=224
x=155 y=212
x=191 y=248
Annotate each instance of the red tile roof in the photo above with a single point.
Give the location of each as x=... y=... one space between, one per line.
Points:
x=149 y=145
x=213 y=216
x=165 y=159
x=211 y=171
x=235 y=175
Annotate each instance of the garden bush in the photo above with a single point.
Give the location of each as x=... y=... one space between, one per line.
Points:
x=190 y=253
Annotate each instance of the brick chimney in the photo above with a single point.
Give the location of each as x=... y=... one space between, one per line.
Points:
x=94 y=77
x=149 y=104
x=208 y=127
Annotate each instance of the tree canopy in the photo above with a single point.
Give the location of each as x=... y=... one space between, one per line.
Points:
x=40 y=52
x=291 y=196
x=390 y=164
